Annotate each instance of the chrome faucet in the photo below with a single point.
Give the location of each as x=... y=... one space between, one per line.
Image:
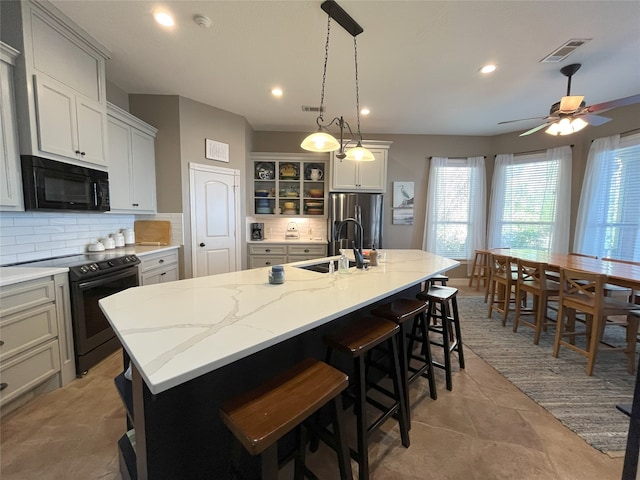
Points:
x=357 y=252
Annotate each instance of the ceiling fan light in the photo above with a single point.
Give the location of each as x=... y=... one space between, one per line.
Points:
x=578 y=124
x=360 y=154
x=553 y=129
x=320 y=142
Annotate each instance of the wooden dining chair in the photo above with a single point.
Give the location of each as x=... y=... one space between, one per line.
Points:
x=632 y=295
x=532 y=280
x=502 y=286
x=584 y=292
x=555 y=276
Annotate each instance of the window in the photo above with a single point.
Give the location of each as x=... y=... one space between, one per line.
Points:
x=609 y=213
x=455 y=223
x=530 y=201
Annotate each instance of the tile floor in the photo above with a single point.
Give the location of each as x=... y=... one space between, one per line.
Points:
x=484 y=429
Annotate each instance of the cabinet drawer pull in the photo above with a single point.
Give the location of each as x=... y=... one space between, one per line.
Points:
x=136 y=204
x=3 y=386
x=163 y=273
x=161 y=260
x=267 y=250
x=267 y=263
x=306 y=250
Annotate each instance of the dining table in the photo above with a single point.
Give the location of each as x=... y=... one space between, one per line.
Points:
x=617 y=273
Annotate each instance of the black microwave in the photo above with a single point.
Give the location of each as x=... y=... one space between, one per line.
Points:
x=51 y=185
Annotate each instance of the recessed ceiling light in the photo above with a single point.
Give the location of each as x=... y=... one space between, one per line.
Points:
x=164 y=18
x=490 y=68
x=276 y=92
x=365 y=111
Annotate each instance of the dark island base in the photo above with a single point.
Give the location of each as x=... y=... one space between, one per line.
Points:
x=179 y=433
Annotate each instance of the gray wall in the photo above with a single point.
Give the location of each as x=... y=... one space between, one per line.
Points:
x=409 y=161
x=183 y=125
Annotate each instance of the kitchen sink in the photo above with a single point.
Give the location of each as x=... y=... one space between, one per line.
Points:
x=324 y=266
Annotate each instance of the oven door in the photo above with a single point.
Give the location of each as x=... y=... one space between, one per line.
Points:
x=90 y=327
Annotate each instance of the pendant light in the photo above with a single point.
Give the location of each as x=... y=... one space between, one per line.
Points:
x=322 y=140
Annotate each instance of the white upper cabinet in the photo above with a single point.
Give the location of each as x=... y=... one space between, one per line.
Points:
x=60 y=84
x=132 y=163
x=10 y=184
x=352 y=176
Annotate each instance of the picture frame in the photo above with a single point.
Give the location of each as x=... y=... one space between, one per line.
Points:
x=214 y=150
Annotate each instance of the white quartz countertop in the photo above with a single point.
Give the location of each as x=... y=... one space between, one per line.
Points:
x=11 y=275
x=289 y=241
x=177 y=331
x=17 y=274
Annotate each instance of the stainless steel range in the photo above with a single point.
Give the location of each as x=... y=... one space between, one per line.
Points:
x=93 y=276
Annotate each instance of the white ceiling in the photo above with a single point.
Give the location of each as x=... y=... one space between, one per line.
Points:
x=418 y=60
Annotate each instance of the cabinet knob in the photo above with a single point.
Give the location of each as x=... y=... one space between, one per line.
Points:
x=306 y=250
x=77 y=152
x=267 y=250
x=161 y=260
x=163 y=273
x=135 y=204
x=82 y=153
x=202 y=244
x=3 y=386
x=267 y=263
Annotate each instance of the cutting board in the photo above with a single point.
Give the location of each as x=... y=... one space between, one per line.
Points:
x=152 y=232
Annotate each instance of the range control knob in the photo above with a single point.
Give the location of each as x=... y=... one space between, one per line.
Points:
x=83 y=269
x=93 y=267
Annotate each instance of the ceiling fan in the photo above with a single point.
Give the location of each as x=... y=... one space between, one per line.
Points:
x=571 y=114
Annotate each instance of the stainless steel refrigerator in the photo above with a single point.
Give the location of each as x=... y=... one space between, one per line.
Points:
x=366 y=208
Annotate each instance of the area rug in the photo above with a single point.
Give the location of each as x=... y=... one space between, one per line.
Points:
x=586 y=405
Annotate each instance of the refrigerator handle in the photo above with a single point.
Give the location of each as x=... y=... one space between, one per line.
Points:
x=358 y=214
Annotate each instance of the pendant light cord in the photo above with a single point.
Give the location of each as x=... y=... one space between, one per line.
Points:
x=355 y=50
x=320 y=118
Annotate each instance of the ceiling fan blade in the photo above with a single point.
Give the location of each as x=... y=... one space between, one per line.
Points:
x=571 y=103
x=534 y=130
x=594 y=120
x=523 y=119
x=620 y=102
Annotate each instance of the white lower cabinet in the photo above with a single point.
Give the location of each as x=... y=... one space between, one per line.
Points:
x=268 y=254
x=36 y=340
x=159 y=267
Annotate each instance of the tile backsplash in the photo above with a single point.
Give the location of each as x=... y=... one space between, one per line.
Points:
x=276 y=228
x=28 y=236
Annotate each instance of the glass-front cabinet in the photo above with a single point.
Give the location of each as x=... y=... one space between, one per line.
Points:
x=290 y=184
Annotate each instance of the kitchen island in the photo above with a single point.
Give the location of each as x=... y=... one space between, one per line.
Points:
x=196 y=342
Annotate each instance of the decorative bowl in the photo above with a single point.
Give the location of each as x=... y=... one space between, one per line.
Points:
x=262 y=193
x=316 y=193
x=289 y=205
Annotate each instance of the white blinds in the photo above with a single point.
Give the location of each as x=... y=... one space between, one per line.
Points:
x=455 y=223
x=609 y=212
x=530 y=200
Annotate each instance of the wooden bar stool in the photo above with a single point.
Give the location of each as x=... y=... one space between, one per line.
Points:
x=357 y=340
x=443 y=309
x=260 y=417
x=399 y=311
x=480 y=268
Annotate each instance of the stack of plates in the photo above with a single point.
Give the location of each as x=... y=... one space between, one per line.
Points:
x=290 y=212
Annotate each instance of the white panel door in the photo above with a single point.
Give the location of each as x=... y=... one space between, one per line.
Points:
x=214 y=220
x=91 y=131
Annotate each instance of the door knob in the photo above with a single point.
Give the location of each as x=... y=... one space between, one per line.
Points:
x=202 y=244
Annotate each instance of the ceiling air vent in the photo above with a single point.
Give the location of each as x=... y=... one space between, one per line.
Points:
x=559 y=54
x=307 y=108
